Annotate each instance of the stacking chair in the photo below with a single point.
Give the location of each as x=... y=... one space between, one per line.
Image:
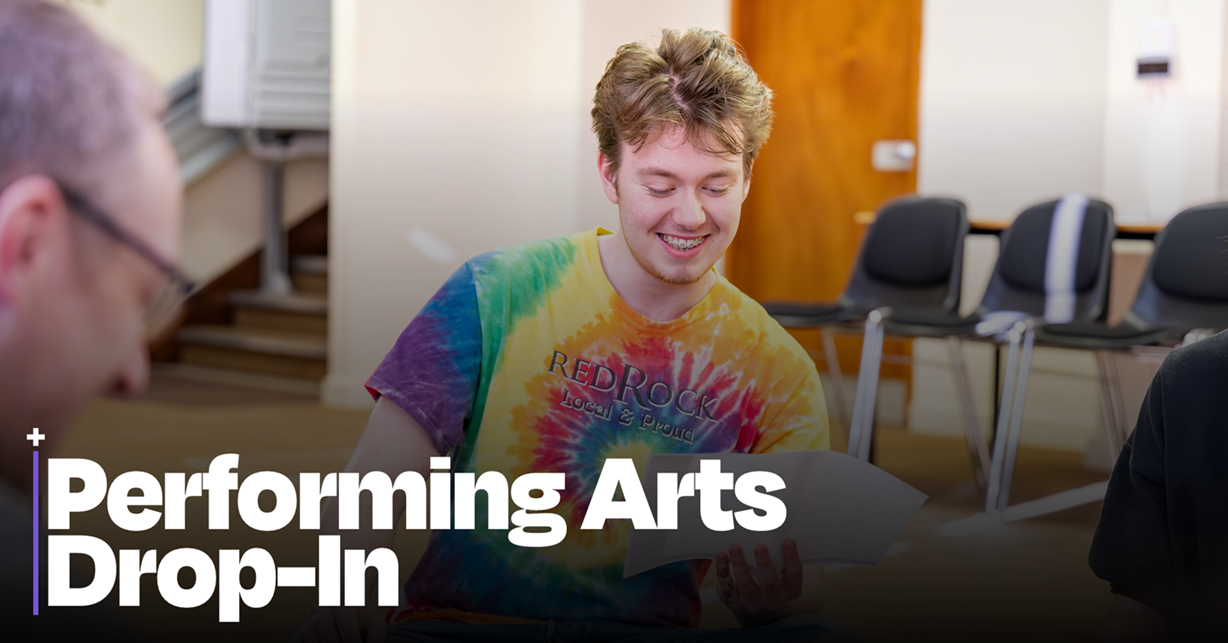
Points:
x=1184 y=291
x=1017 y=286
x=911 y=258
x=1185 y=287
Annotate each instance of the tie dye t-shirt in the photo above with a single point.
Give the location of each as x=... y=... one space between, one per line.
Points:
x=526 y=360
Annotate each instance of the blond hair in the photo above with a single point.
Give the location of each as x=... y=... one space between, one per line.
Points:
x=699 y=80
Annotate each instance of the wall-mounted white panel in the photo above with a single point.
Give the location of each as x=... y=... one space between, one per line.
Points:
x=291 y=64
x=268 y=63
x=224 y=78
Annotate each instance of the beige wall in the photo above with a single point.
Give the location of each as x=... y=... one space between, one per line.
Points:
x=222 y=222
x=458 y=128
x=164 y=36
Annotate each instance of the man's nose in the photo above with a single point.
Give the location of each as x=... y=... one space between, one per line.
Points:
x=133 y=376
x=690 y=213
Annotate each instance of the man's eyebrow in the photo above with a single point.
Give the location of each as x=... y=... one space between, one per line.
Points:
x=659 y=171
x=656 y=171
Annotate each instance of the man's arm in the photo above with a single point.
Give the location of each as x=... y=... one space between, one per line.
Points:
x=393 y=443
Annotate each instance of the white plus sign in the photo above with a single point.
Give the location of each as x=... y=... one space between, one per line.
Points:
x=35 y=437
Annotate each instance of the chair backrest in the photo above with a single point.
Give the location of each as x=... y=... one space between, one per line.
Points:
x=1018 y=279
x=912 y=256
x=1186 y=283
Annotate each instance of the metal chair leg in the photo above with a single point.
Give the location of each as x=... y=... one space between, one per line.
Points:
x=1016 y=426
x=837 y=381
x=1108 y=412
x=1119 y=409
x=1004 y=409
x=862 y=430
x=972 y=423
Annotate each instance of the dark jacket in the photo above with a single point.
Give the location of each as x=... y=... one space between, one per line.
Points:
x=1163 y=532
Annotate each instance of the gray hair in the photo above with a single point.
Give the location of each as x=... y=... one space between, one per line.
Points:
x=71 y=106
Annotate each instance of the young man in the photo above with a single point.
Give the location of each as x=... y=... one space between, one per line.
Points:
x=90 y=206
x=560 y=354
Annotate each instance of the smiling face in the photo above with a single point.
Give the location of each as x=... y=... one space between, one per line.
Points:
x=678 y=206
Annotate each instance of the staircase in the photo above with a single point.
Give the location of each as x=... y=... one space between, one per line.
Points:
x=233 y=333
x=284 y=335
x=235 y=330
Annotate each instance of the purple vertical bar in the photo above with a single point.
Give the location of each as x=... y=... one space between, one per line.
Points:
x=37 y=509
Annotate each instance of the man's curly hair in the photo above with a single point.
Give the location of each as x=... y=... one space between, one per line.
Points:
x=699 y=80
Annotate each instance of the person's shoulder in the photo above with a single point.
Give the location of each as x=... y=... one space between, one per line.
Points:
x=751 y=311
x=755 y=316
x=540 y=254
x=1187 y=391
x=1203 y=362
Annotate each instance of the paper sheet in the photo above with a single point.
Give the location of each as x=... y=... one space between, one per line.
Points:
x=840 y=510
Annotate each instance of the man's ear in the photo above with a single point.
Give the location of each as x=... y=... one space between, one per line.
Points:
x=609 y=177
x=30 y=208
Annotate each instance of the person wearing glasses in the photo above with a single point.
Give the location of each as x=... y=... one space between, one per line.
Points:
x=90 y=209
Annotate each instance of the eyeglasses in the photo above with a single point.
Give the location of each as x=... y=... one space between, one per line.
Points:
x=166 y=304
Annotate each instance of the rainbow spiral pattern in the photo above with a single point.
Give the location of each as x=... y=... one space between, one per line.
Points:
x=526 y=360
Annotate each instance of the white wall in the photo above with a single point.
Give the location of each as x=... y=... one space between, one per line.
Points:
x=458 y=128
x=1162 y=138
x=223 y=211
x=163 y=36
x=1011 y=107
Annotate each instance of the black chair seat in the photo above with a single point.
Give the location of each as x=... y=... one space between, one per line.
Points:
x=929 y=322
x=800 y=315
x=1093 y=335
x=911 y=256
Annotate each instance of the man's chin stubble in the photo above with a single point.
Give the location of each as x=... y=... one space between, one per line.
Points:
x=673 y=281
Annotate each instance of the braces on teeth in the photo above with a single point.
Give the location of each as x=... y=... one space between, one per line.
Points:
x=682 y=244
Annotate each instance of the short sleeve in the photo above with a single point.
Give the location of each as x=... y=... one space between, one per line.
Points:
x=432 y=372
x=1131 y=547
x=801 y=424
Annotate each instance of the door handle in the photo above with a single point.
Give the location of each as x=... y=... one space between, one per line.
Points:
x=893 y=155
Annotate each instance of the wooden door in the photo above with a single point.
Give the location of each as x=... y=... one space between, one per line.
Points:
x=844 y=74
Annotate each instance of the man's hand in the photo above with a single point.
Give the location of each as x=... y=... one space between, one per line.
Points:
x=759 y=597
x=342 y=625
